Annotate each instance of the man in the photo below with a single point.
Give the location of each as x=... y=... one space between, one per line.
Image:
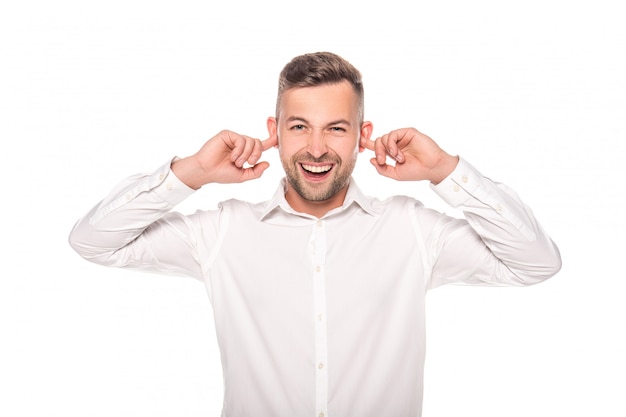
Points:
x=318 y=293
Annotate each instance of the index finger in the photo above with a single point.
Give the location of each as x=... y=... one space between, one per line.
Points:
x=367 y=143
x=269 y=143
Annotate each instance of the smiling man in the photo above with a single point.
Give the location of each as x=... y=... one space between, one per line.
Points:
x=319 y=130
x=318 y=293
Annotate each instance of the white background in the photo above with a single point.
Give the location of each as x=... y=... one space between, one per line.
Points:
x=532 y=93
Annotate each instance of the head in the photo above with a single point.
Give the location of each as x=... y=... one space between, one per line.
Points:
x=319 y=127
x=315 y=69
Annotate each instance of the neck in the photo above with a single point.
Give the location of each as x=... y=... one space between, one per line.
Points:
x=314 y=208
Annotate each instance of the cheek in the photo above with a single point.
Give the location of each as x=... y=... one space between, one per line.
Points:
x=289 y=146
x=347 y=148
x=286 y=152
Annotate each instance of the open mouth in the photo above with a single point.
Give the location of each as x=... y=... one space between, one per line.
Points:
x=316 y=172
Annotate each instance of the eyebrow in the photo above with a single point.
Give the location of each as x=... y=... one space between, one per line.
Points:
x=333 y=123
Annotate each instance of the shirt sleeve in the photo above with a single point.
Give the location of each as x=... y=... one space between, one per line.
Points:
x=134 y=227
x=499 y=242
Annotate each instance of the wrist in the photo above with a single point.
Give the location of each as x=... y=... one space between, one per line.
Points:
x=444 y=167
x=189 y=171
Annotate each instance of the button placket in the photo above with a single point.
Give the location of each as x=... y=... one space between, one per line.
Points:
x=319 y=315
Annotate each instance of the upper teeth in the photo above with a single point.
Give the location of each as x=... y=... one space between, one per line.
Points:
x=317 y=169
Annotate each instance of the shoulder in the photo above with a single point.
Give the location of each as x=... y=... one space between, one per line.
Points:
x=243 y=208
x=395 y=203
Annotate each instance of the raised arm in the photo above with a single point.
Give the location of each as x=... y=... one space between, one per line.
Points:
x=134 y=226
x=499 y=242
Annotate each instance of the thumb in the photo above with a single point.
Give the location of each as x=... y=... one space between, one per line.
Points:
x=255 y=171
x=385 y=170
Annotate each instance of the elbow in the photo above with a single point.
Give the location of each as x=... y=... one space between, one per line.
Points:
x=82 y=248
x=553 y=262
x=550 y=264
x=541 y=266
x=546 y=272
x=75 y=242
x=81 y=244
x=557 y=263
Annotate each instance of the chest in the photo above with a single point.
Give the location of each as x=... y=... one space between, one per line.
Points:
x=365 y=260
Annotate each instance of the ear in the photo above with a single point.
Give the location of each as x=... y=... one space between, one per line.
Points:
x=366 y=132
x=272 y=129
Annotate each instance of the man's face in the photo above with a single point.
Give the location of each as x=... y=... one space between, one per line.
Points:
x=318 y=133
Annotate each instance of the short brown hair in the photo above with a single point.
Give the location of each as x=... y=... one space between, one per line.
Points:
x=313 y=69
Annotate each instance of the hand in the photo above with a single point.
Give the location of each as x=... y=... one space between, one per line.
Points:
x=417 y=156
x=222 y=159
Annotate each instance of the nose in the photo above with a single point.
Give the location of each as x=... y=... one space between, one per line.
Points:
x=317 y=144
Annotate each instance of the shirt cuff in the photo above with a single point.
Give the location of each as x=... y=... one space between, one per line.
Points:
x=168 y=186
x=459 y=186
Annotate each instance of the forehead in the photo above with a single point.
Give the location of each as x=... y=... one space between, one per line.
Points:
x=320 y=103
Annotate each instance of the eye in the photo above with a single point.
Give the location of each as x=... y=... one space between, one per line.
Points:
x=297 y=127
x=337 y=130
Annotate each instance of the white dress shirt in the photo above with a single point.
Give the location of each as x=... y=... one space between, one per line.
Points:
x=321 y=317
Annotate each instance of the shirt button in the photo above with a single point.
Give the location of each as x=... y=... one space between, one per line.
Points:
x=499 y=208
x=456 y=188
x=464 y=179
x=320 y=365
x=161 y=177
x=318 y=268
x=320 y=415
x=320 y=223
x=169 y=187
x=129 y=197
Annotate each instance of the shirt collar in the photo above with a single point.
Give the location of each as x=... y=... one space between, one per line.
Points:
x=353 y=196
